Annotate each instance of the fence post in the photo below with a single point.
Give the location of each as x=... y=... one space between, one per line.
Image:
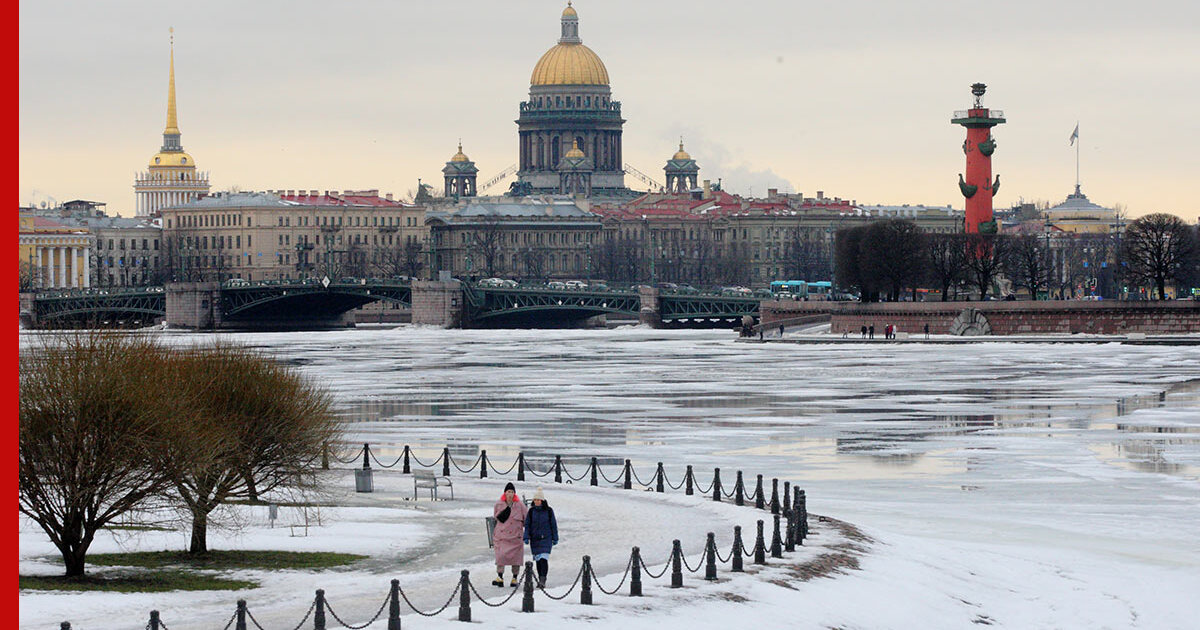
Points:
x=483 y=464
x=585 y=594
x=676 y=564
x=635 y=574
x=739 y=490
x=366 y=456
x=464 y=596
x=758 y=494
x=527 y=600
x=687 y=480
x=558 y=469
x=710 y=566
x=319 y=613
x=760 y=546
x=446 y=462
x=154 y=621
x=406 y=468
x=660 y=474
x=717 y=485
x=775 y=496
x=803 y=516
x=240 y=615
x=776 y=541
x=789 y=531
x=787 y=496
x=520 y=466
x=394 y=606
x=66 y=625
x=325 y=456
x=595 y=467
x=737 y=549
x=628 y=475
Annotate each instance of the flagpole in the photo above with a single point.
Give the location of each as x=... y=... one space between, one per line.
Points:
x=1077 y=156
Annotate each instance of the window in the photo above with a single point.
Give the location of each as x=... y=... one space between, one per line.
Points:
x=155 y=244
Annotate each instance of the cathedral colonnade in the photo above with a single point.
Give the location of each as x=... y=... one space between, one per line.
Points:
x=59 y=262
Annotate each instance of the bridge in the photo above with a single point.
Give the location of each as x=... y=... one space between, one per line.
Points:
x=311 y=303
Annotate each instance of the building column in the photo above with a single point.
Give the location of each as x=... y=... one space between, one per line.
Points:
x=62 y=264
x=87 y=267
x=72 y=268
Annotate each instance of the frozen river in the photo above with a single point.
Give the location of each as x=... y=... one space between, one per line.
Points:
x=1053 y=486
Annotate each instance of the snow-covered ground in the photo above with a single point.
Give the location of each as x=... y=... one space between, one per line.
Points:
x=1012 y=485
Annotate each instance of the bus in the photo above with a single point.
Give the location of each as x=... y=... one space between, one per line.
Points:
x=801 y=290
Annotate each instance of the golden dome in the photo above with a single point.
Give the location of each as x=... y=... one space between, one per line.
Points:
x=570 y=11
x=681 y=154
x=460 y=156
x=575 y=152
x=569 y=64
x=171 y=158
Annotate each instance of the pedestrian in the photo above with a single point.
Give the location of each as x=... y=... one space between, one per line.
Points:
x=541 y=533
x=864 y=331
x=927 y=330
x=871 y=331
x=509 y=533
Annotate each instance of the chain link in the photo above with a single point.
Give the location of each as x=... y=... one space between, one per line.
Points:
x=699 y=564
x=497 y=470
x=586 y=472
x=535 y=473
x=468 y=469
x=423 y=464
x=501 y=602
x=383 y=465
x=350 y=460
x=258 y=625
x=564 y=595
x=727 y=557
x=378 y=614
x=666 y=565
x=605 y=477
x=596 y=578
x=436 y=612
x=703 y=491
x=230 y=622
x=673 y=486
x=639 y=479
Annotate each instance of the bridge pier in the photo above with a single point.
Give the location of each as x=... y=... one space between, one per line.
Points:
x=193 y=305
x=437 y=303
x=650 y=313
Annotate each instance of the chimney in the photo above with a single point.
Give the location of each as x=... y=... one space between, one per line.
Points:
x=707 y=190
x=291 y=192
x=820 y=195
x=388 y=196
x=772 y=192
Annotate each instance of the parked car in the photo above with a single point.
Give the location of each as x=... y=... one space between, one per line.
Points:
x=236 y=282
x=556 y=285
x=598 y=286
x=667 y=286
x=576 y=284
x=687 y=289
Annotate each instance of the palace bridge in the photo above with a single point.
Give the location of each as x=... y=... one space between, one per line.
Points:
x=312 y=304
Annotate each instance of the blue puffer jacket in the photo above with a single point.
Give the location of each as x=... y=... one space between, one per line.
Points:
x=541 y=529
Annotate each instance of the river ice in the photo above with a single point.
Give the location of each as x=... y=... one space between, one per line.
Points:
x=1011 y=485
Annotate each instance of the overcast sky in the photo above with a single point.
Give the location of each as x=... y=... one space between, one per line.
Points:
x=852 y=98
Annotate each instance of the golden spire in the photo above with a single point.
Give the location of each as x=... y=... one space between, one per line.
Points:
x=172 y=123
x=681 y=154
x=575 y=151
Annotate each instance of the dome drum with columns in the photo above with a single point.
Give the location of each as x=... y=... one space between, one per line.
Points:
x=570 y=105
x=460 y=176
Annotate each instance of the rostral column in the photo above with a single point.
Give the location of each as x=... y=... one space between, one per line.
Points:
x=978 y=187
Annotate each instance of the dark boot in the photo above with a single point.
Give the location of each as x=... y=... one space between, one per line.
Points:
x=543 y=568
x=499 y=581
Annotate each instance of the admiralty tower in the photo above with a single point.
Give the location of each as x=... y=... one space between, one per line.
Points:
x=172 y=178
x=570 y=106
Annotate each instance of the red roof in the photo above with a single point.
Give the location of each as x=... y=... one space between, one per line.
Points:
x=344 y=200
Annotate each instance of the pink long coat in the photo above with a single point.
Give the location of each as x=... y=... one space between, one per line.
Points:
x=507 y=537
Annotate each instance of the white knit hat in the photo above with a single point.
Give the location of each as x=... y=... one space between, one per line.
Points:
x=539 y=495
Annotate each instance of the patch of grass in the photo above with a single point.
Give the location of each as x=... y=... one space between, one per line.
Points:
x=226 y=559
x=137 y=528
x=150 y=582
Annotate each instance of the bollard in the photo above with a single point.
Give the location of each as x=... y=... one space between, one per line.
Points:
x=676 y=564
x=803 y=509
x=240 y=616
x=739 y=490
x=585 y=593
x=717 y=485
x=464 y=596
x=406 y=468
x=758 y=494
x=520 y=466
x=394 y=607
x=595 y=467
x=775 y=496
x=760 y=546
x=635 y=574
x=483 y=464
x=687 y=480
x=446 y=462
x=787 y=493
x=628 y=475
x=737 y=549
x=366 y=456
x=710 y=565
x=660 y=474
x=319 y=613
x=558 y=469
x=154 y=621
x=66 y=625
x=325 y=456
x=527 y=600
x=776 y=541
x=789 y=532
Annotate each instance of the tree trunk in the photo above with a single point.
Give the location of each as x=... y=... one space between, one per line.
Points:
x=199 y=542
x=74 y=555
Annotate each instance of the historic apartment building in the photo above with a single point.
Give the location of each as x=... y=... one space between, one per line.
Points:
x=294 y=234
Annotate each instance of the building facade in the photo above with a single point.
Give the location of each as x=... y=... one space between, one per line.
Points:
x=570 y=105
x=171 y=179
x=52 y=255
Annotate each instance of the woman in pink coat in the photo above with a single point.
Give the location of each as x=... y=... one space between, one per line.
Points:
x=508 y=535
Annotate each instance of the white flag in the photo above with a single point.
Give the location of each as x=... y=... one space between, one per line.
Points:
x=1075 y=134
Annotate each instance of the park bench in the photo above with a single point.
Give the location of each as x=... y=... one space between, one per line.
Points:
x=425 y=479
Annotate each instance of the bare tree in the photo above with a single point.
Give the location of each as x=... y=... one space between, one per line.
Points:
x=892 y=252
x=534 y=260
x=487 y=242
x=1159 y=249
x=1029 y=264
x=946 y=261
x=986 y=257
x=259 y=427
x=806 y=257
x=90 y=429
x=26 y=276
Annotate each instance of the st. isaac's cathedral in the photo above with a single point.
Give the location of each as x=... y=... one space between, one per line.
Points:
x=569 y=131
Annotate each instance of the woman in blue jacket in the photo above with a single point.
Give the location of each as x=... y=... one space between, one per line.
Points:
x=541 y=533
